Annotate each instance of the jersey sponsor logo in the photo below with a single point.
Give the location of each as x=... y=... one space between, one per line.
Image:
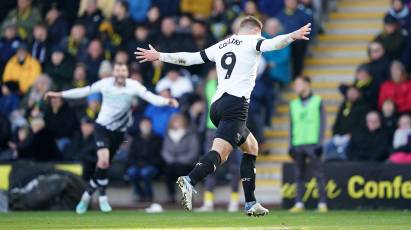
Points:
x=100 y=144
x=230 y=41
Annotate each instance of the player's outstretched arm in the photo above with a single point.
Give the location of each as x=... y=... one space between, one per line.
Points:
x=77 y=92
x=282 y=41
x=180 y=58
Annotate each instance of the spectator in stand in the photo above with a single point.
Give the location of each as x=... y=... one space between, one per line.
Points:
x=178 y=85
x=199 y=9
x=91 y=18
x=370 y=144
x=9 y=99
x=105 y=69
x=5 y=137
x=76 y=42
x=83 y=148
x=140 y=39
x=106 y=6
x=250 y=9
x=160 y=115
x=167 y=8
x=292 y=19
x=93 y=59
x=60 y=69
x=278 y=61
x=144 y=160
x=220 y=18
x=270 y=8
x=38 y=146
x=389 y=117
x=61 y=121
x=154 y=20
x=25 y=17
x=366 y=84
x=398 y=89
x=8 y=45
x=379 y=64
x=22 y=68
x=138 y=10
x=36 y=94
x=93 y=106
x=202 y=39
x=180 y=151
x=350 y=118
x=122 y=24
x=402 y=132
x=169 y=41
x=391 y=37
x=307 y=129
x=40 y=47
x=79 y=76
x=57 y=26
x=121 y=57
x=401 y=12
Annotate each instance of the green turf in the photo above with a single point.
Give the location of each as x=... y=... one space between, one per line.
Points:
x=180 y=219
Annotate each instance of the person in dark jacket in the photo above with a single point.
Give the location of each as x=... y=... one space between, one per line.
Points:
x=293 y=18
x=122 y=24
x=38 y=146
x=93 y=60
x=389 y=117
x=171 y=41
x=180 y=151
x=83 y=148
x=61 y=121
x=92 y=18
x=379 y=64
x=9 y=99
x=60 y=69
x=144 y=159
x=40 y=47
x=57 y=26
x=8 y=44
x=371 y=144
x=391 y=37
x=350 y=118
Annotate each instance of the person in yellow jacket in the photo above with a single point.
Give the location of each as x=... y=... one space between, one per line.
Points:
x=22 y=68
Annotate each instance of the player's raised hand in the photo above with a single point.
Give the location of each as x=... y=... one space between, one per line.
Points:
x=173 y=103
x=51 y=94
x=144 y=55
x=302 y=33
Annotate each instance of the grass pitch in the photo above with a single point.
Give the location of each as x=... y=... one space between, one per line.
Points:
x=216 y=220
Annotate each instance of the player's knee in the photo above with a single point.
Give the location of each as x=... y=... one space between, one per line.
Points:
x=103 y=164
x=253 y=147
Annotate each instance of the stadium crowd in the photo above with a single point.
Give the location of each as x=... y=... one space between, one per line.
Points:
x=57 y=45
x=373 y=123
x=61 y=44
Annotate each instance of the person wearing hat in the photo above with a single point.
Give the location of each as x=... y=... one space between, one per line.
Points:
x=391 y=37
x=22 y=68
x=9 y=100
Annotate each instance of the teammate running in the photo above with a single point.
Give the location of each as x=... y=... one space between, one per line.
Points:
x=111 y=123
x=236 y=59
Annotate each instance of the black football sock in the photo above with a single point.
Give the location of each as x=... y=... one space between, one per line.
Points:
x=247 y=173
x=101 y=180
x=207 y=164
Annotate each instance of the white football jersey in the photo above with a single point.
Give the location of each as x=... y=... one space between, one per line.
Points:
x=115 y=113
x=236 y=59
